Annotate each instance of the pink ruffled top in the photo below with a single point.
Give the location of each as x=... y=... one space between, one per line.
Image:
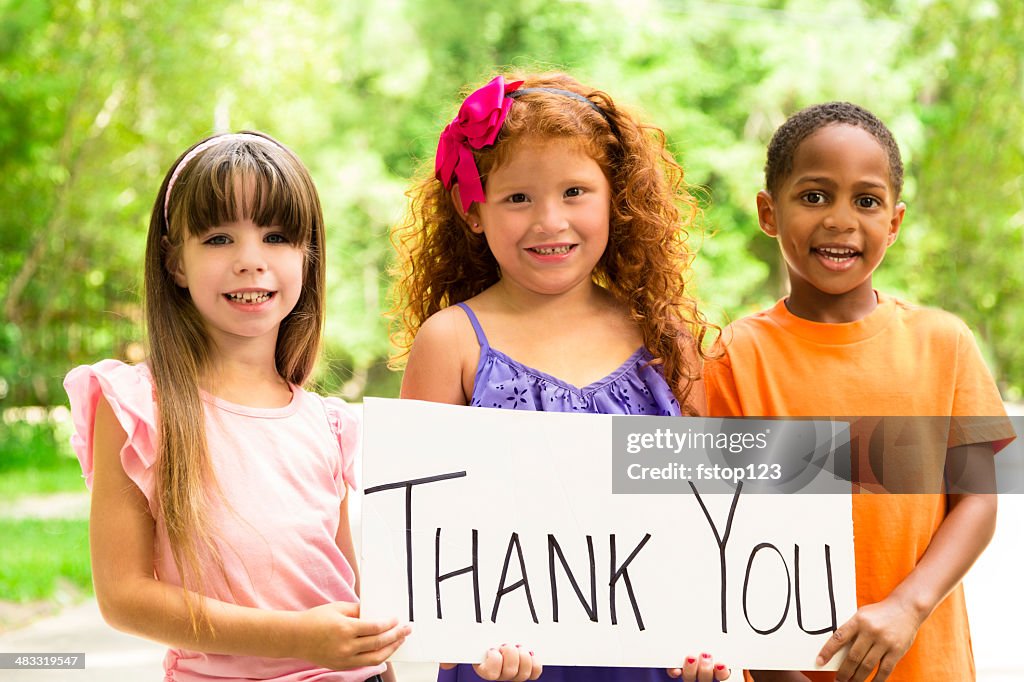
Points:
x=283 y=472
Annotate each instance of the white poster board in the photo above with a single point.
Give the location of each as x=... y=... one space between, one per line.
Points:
x=485 y=526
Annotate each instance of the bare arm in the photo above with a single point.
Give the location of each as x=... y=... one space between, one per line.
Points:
x=960 y=539
x=344 y=540
x=132 y=599
x=880 y=634
x=435 y=370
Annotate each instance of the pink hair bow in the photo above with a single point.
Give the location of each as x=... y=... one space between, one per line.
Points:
x=477 y=126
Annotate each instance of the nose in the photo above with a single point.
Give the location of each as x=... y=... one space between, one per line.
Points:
x=841 y=218
x=550 y=217
x=250 y=257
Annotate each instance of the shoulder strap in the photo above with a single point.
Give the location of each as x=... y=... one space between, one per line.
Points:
x=481 y=338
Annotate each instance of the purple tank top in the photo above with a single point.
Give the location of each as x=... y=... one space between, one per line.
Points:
x=636 y=387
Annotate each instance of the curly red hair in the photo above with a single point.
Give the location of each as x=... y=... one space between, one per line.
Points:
x=646 y=264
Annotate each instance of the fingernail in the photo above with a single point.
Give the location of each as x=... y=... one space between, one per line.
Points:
x=691 y=660
x=705 y=655
x=531 y=653
x=820 y=660
x=720 y=666
x=517 y=646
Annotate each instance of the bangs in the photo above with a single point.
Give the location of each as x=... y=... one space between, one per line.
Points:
x=248 y=180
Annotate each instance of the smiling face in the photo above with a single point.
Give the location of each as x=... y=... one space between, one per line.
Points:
x=242 y=278
x=834 y=217
x=546 y=216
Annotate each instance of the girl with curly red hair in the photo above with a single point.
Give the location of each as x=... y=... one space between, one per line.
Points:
x=544 y=266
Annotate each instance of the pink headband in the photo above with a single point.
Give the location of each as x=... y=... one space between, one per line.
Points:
x=196 y=151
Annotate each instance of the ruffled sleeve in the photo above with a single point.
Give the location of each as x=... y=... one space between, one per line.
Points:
x=346 y=423
x=129 y=391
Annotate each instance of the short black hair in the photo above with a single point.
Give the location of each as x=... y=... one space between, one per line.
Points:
x=802 y=124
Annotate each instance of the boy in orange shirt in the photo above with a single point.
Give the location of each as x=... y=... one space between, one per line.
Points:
x=835 y=346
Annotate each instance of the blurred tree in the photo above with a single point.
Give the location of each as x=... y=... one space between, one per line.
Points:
x=90 y=94
x=966 y=248
x=98 y=98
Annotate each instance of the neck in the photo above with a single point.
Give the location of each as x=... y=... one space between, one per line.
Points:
x=812 y=304
x=246 y=374
x=520 y=300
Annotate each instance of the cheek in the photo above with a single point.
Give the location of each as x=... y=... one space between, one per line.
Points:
x=303 y=269
x=295 y=262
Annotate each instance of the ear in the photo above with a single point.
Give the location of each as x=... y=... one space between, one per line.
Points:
x=766 y=213
x=470 y=217
x=895 y=223
x=173 y=263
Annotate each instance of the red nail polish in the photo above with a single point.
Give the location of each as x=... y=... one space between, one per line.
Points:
x=531 y=653
x=705 y=655
x=720 y=666
x=691 y=660
x=517 y=646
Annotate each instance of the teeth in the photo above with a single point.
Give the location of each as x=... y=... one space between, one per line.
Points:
x=557 y=250
x=250 y=296
x=837 y=255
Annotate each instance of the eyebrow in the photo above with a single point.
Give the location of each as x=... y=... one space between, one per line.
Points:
x=831 y=183
x=527 y=186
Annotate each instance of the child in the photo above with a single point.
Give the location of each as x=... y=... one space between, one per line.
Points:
x=835 y=346
x=219 y=520
x=552 y=222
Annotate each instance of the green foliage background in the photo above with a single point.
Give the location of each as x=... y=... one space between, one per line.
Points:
x=98 y=98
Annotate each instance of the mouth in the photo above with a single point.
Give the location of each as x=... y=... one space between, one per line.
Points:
x=250 y=297
x=836 y=254
x=559 y=250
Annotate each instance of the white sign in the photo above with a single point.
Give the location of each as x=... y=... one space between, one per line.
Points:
x=485 y=526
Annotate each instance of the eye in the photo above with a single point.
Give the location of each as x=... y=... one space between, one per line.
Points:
x=574 y=192
x=276 y=238
x=217 y=240
x=814 y=198
x=868 y=202
x=517 y=198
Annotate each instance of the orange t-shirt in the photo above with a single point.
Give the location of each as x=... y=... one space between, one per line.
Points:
x=900 y=360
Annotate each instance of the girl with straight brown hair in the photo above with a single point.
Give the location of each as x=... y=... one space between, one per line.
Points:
x=219 y=521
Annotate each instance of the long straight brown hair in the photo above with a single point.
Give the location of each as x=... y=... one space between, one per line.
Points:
x=234 y=179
